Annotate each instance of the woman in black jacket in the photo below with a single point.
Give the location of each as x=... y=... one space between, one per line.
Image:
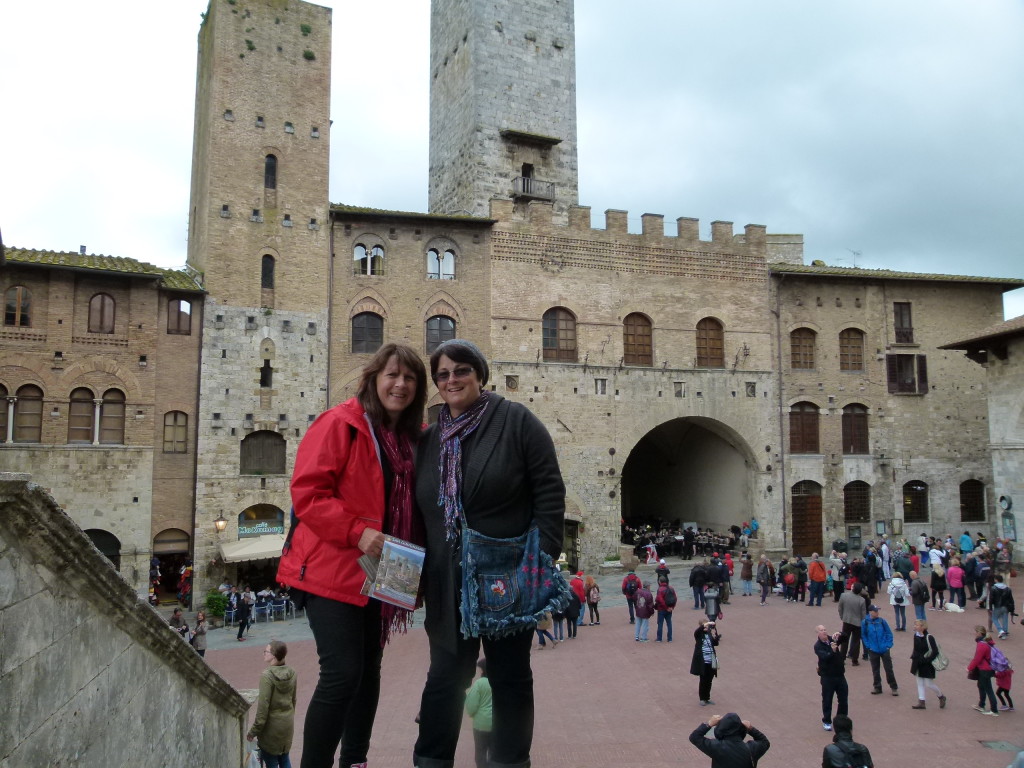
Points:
x=921 y=666
x=704 y=663
x=492 y=462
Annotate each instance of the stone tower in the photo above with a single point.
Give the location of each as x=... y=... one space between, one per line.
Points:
x=259 y=241
x=502 y=104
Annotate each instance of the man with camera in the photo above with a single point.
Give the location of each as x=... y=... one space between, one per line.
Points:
x=832 y=671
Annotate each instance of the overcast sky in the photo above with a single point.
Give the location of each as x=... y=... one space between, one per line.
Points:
x=890 y=134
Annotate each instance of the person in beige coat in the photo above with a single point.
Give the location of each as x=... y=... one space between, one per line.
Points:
x=275 y=712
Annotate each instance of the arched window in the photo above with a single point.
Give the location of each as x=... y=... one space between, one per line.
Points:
x=18 y=306
x=636 y=340
x=440 y=264
x=81 y=415
x=915 y=502
x=439 y=328
x=367 y=332
x=803 y=428
x=270 y=172
x=101 y=314
x=710 y=344
x=972 y=501
x=262 y=453
x=175 y=432
x=855 y=429
x=108 y=545
x=559 y=337
x=267 y=272
x=112 y=418
x=857 y=502
x=801 y=349
x=28 y=414
x=368 y=261
x=851 y=350
x=179 y=317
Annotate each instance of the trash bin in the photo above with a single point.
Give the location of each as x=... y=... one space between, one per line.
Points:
x=711 y=603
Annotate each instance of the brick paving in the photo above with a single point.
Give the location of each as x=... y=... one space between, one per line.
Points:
x=604 y=700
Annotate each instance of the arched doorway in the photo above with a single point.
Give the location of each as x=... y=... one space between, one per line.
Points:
x=258 y=549
x=806 y=518
x=171 y=555
x=108 y=545
x=689 y=471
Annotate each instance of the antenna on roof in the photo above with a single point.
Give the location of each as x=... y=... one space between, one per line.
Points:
x=856 y=255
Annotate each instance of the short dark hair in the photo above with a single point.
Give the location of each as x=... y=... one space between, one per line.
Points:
x=461 y=351
x=411 y=420
x=842 y=723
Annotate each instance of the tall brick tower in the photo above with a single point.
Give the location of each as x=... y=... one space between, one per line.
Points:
x=259 y=237
x=502 y=104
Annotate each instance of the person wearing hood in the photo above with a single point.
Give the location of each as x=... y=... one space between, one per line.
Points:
x=1002 y=605
x=844 y=750
x=729 y=748
x=275 y=711
x=662 y=570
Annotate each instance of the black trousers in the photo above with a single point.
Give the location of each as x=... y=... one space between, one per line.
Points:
x=344 y=703
x=834 y=687
x=450 y=675
x=707 y=677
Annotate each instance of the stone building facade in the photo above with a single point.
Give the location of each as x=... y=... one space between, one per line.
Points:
x=684 y=380
x=999 y=349
x=99 y=378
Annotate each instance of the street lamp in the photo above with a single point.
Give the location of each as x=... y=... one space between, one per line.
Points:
x=220 y=524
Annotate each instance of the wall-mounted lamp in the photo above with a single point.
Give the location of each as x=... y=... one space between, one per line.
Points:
x=220 y=524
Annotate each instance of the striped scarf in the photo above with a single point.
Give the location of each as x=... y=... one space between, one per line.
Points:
x=399 y=521
x=453 y=432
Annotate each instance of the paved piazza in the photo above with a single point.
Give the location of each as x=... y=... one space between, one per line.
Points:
x=604 y=700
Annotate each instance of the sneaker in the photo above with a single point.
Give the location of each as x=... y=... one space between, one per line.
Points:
x=979 y=709
x=541 y=647
x=876 y=692
x=991 y=713
x=942 y=702
x=703 y=703
x=895 y=692
x=710 y=701
x=1005 y=708
x=827 y=726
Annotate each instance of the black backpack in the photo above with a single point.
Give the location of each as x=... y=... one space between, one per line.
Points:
x=632 y=584
x=670 y=597
x=850 y=754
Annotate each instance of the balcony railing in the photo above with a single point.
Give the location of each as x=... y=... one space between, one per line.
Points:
x=533 y=189
x=904 y=335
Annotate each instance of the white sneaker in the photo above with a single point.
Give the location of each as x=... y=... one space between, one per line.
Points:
x=827 y=726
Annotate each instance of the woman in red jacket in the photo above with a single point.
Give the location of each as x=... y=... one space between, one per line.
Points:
x=353 y=483
x=982 y=665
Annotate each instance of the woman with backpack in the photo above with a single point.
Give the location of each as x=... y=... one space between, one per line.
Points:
x=899 y=596
x=922 y=664
x=593 y=593
x=980 y=669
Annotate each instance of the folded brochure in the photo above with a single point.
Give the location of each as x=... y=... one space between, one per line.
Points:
x=395 y=576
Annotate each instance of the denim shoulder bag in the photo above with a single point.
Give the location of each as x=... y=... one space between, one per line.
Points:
x=507 y=584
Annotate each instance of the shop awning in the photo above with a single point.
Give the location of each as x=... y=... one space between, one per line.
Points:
x=254 y=548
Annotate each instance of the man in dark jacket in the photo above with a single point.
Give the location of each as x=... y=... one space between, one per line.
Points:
x=728 y=749
x=698 y=578
x=844 y=751
x=832 y=670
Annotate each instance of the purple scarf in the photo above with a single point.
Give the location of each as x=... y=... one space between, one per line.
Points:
x=453 y=432
x=399 y=520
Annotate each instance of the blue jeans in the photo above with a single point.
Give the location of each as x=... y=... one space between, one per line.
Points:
x=1000 y=617
x=901 y=616
x=748 y=587
x=641 y=629
x=698 y=598
x=665 y=617
x=540 y=637
x=276 y=761
x=817 y=591
x=631 y=603
x=919 y=612
x=559 y=629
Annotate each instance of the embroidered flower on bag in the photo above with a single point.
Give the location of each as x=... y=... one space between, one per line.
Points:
x=498 y=588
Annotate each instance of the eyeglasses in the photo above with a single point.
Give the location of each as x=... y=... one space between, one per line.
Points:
x=457 y=373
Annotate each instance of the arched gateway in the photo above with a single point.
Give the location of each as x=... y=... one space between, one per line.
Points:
x=689 y=470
